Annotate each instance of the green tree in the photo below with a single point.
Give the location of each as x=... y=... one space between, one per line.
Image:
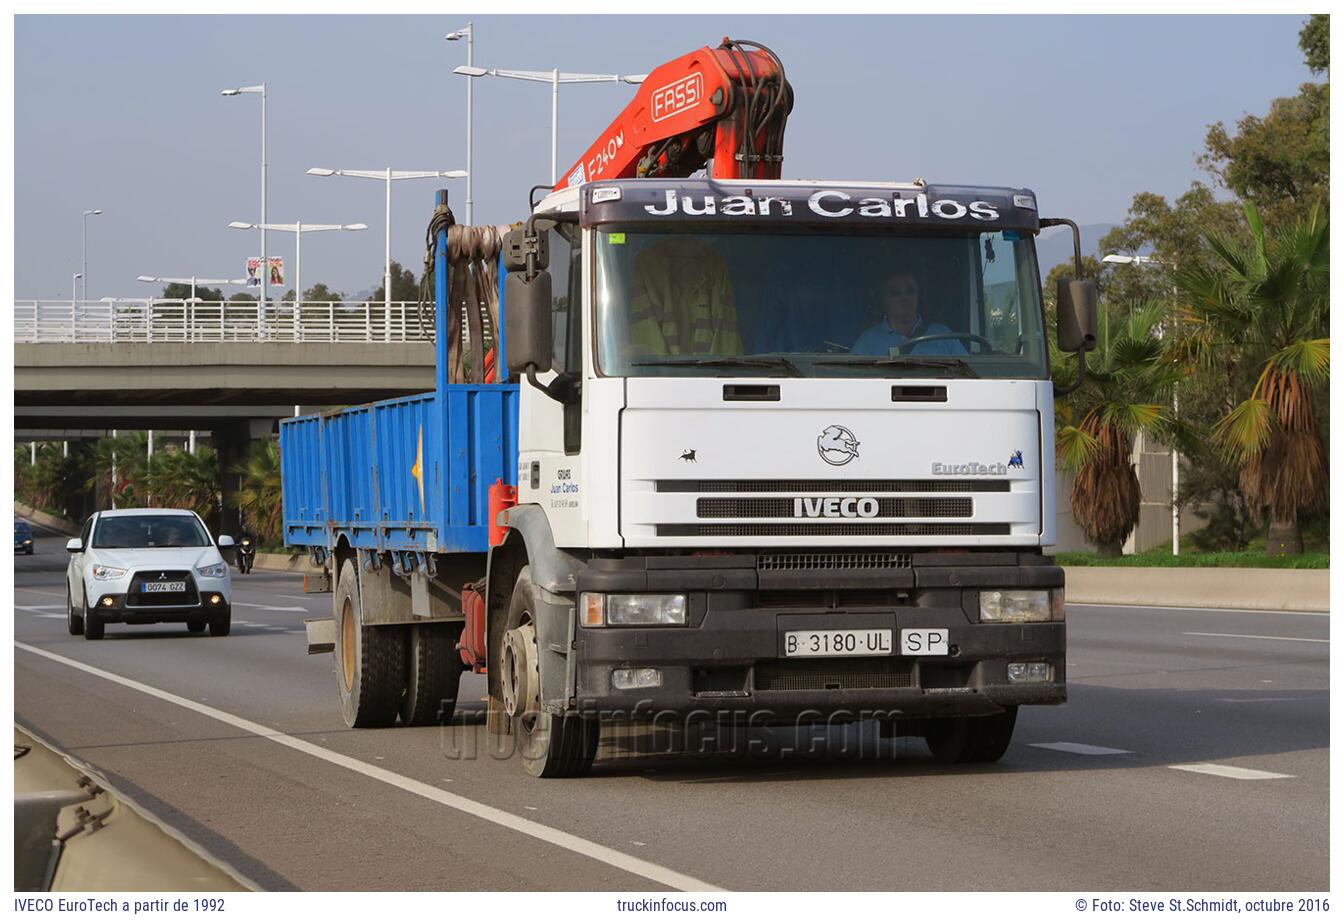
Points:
x=177 y=291
x=243 y=297
x=258 y=495
x=1281 y=162
x=404 y=285
x=1267 y=303
x=1128 y=390
x=177 y=478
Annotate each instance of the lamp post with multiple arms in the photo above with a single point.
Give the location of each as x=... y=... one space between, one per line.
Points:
x=1117 y=259
x=555 y=78
x=84 y=250
x=298 y=228
x=387 y=176
x=470 y=36
x=265 y=265
x=193 y=281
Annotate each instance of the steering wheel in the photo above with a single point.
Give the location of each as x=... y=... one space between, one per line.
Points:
x=986 y=346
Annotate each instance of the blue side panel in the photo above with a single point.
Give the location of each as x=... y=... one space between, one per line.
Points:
x=354 y=472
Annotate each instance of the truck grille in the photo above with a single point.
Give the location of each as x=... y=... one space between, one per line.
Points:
x=811 y=562
x=833 y=485
x=854 y=674
x=784 y=507
x=846 y=529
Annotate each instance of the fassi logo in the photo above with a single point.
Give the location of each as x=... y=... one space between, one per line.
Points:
x=678 y=96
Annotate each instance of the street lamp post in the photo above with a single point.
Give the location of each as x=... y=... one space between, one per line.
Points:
x=555 y=78
x=265 y=265
x=388 y=175
x=84 y=249
x=1117 y=259
x=74 y=288
x=470 y=35
x=193 y=281
x=298 y=228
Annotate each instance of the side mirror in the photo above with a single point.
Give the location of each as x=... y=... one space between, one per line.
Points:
x=515 y=250
x=224 y=541
x=527 y=333
x=1076 y=312
x=74 y=545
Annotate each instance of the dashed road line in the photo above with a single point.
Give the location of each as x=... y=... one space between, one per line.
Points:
x=1155 y=608
x=1217 y=769
x=635 y=866
x=1270 y=638
x=1073 y=747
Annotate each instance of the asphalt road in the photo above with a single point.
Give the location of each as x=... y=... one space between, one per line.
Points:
x=1193 y=755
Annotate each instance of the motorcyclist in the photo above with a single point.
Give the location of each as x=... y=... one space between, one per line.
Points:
x=247 y=550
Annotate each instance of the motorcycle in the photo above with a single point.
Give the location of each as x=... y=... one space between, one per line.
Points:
x=247 y=554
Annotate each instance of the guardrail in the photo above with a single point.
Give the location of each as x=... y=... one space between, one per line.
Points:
x=159 y=320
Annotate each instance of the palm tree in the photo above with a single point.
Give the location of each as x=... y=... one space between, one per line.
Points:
x=178 y=479
x=258 y=495
x=124 y=455
x=1266 y=306
x=1128 y=389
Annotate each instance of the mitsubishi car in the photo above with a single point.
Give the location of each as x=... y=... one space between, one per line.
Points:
x=150 y=565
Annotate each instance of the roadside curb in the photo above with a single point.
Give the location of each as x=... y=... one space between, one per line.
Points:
x=1249 y=589
x=49 y=521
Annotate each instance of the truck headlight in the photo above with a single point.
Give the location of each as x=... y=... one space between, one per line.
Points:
x=218 y=570
x=632 y=609
x=107 y=573
x=1015 y=606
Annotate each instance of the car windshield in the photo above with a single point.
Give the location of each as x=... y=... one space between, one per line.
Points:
x=149 y=531
x=21 y=530
x=769 y=303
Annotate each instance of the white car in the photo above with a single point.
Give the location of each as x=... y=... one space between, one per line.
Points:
x=146 y=565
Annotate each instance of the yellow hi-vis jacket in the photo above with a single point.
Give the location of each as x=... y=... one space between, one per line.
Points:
x=683 y=303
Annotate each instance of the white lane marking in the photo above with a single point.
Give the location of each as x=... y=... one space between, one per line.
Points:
x=1216 y=769
x=35 y=591
x=36 y=607
x=1071 y=747
x=1263 y=699
x=268 y=607
x=1240 y=636
x=653 y=872
x=298 y=597
x=1153 y=608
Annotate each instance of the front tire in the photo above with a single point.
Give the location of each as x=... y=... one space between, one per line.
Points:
x=220 y=626
x=370 y=660
x=978 y=739
x=196 y=626
x=551 y=745
x=93 y=624
x=74 y=623
x=433 y=672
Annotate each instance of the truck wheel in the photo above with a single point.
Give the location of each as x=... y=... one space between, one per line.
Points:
x=550 y=745
x=370 y=660
x=973 y=739
x=433 y=670
x=74 y=622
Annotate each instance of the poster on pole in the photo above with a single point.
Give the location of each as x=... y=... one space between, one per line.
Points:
x=277 y=264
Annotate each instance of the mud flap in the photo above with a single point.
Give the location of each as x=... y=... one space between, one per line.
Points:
x=321 y=635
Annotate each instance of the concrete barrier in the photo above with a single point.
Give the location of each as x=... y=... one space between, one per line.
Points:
x=1252 y=589
x=49 y=521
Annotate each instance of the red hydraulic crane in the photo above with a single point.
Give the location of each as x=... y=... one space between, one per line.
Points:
x=721 y=108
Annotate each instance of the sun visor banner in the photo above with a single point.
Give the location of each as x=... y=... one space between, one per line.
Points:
x=816 y=205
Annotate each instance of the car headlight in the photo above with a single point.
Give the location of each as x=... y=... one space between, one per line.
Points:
x=632 y=609
x=1015 y=606
x=218 y=570
x=107 y=573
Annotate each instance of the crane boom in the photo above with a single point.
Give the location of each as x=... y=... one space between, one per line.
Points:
x=721 y=108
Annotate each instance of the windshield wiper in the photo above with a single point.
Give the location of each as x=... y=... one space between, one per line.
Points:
x=771 y=361
x=941 y=363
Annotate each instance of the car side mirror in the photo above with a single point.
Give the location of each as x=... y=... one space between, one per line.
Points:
x=1076 y=314
x=224 y=541
x=74 y=545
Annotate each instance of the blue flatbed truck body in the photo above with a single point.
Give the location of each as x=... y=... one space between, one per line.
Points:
x=408 y=474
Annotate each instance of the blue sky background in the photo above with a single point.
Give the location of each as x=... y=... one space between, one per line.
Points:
x=124 y=113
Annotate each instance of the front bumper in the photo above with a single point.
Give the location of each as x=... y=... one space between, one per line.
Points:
x=729 y=659
x=120 y=601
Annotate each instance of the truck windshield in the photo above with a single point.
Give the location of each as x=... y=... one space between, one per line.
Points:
x=757 y=303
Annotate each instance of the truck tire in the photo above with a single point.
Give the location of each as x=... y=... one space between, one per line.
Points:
x=550 y=745
x=370 y=661
x=433 y=671
x=74 y=622
x=971 y=739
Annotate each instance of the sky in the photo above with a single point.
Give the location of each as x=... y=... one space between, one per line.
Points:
x=123 y=113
